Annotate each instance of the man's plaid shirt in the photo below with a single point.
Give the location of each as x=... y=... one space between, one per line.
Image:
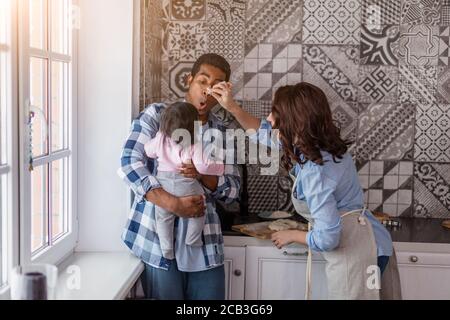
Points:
x=139 y=172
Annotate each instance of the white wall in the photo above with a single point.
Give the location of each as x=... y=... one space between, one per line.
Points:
x=105 y=112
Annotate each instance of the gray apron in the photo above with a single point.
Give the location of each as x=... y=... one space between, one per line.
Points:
x=349 y=265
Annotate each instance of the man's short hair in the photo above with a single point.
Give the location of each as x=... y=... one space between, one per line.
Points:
x=214 y=60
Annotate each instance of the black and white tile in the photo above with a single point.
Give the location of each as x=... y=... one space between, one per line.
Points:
x=226 y=12
x=419 y=45
x=269 y=66
x=378 y=84
x=379 y=45
x=335 y=22
x=381 y=12
x=383 y=65
x=421 y=12
x=431 y=190
x=262 y=193
x=432 y=133
x=332 y=68
x=388 y=186
x=385 y=131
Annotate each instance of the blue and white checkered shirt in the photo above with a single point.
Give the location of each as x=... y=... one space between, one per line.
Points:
x=139 y=172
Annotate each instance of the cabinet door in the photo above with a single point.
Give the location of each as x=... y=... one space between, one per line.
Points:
x=273 y=274
x=234 y=273
x=424 y=276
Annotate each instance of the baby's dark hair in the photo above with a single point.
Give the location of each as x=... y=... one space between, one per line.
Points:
x=214 y=60
x=180 y=115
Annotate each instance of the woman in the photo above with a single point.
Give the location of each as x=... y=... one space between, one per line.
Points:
x=326 y=191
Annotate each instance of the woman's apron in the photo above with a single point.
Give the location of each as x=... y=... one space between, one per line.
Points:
x=350 y=265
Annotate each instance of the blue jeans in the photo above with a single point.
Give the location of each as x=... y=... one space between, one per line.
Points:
x=173 y=284
x=382 y=263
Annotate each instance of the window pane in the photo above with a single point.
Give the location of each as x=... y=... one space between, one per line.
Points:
x=3 y=240
x=4 y=13
x=39 y=197
x=59 y=9
x=59 y=105
x=38 y=94
x=3 y=101
x=38 y=24
x=59 y=197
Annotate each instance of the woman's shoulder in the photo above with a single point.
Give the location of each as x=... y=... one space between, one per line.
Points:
x=331 y=168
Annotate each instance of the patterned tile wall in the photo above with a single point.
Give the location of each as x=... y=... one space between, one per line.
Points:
x=384 y=65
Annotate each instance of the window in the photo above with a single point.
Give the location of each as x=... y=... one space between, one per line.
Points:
x=8 y=141
x=47 y=195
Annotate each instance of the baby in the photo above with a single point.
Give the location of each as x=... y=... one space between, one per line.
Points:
x=172 y=149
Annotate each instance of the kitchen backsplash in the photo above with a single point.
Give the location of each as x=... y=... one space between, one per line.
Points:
x=384 y=65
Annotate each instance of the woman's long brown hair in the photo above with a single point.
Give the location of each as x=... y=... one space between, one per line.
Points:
x=302 y=114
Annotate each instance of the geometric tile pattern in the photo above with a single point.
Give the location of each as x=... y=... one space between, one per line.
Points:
x=432 y=133
x=383 y=65
x=388 y=186
x=381 y=12
x=421 y=12
x=232 y=11
x=419 y=45
x=178 y=78
x=443 y=85
x=272 y=22
x=331 y=22
x=444 y=46
x=188 y=10
x=270 y=66
x=417 y=84
x=333 y=70
x=285 y=184
x=227 y=40
x=187 y=41
x=379 y=46
x=445 y=13
x=262 y=193
x=378 y=84
x=385 y=131
x=431 y=190
x=257 y=108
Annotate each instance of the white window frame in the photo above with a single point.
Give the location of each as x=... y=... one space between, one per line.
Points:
x=65 y=245
x=12 y=217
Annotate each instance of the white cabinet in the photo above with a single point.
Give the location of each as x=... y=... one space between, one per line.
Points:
x=424 y=276
x=234 y=273
x=273 y=274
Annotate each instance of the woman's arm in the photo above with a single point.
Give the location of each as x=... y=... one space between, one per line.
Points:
x=222 y=93
x=284 y=238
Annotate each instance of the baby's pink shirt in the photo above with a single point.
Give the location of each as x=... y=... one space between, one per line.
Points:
x=171 y=156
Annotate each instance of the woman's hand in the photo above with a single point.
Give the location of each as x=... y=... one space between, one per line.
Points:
x=284 y=238
x=222 y=92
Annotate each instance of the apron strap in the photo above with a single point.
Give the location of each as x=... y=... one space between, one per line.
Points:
x=308 y=289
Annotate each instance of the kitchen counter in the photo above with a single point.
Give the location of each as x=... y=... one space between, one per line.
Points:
x=412 y=230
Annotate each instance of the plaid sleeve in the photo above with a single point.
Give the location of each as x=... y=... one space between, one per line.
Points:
x=137 y=170
x=228 y=186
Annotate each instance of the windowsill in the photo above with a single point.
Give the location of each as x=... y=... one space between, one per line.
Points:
x=103 y=276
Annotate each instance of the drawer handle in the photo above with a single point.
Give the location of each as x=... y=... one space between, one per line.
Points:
x=413 y=259
x=237 y=273
x=296 y=254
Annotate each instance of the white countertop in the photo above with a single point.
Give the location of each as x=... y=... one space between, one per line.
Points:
x=98 y=276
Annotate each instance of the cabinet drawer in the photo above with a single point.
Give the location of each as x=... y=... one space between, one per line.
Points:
x=422 y=258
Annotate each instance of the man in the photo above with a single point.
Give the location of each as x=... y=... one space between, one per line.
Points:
x=197 y=273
